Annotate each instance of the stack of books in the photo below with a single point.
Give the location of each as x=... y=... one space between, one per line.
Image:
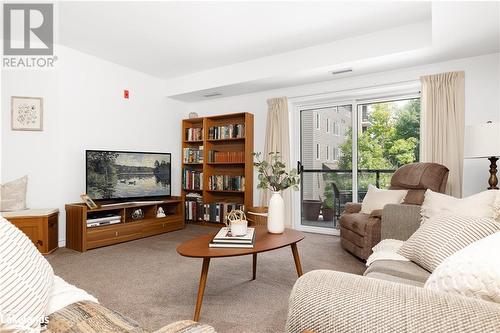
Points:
x=226 y=240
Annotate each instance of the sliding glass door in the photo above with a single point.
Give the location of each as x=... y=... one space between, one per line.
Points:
x=326 y=182
x=344 y=147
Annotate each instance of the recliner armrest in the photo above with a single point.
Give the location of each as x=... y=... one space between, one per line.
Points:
x=352 y=207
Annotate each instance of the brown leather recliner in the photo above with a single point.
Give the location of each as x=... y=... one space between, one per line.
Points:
x=360 y=232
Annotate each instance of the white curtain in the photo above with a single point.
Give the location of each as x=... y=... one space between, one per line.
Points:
x=278 y=140
x=443 y=108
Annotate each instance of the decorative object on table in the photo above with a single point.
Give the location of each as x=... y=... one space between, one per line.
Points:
x=226 y=239
x=27 y=113
x=160 y=212
x=483 y=141
x=138 y=214
x=193 y=115
x=257 y=215
x=88 y=201
x=274 y=177
x=13 y=195
x=237 y=223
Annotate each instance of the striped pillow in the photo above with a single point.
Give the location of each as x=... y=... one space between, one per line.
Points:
x=443 y=235
x=25 y=281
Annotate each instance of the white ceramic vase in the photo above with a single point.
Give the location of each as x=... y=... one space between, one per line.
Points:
x=276 y=214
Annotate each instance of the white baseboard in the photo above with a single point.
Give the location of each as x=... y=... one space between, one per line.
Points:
x=61 y=243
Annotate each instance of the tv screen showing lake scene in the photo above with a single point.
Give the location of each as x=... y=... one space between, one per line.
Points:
x=119 y=175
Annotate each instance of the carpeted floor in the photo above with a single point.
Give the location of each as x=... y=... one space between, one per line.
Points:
x=148 y=281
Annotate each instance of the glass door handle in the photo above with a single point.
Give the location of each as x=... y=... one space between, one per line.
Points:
x=300 y=167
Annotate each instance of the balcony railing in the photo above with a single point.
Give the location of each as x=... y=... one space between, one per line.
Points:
x=340 y=181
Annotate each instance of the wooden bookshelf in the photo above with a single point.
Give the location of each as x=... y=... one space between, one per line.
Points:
x=240 y=168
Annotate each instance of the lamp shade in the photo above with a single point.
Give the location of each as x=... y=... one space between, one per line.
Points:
x=482 y=141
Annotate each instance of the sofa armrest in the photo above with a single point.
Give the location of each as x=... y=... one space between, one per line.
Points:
x=399 y=221
x=328 y=301
x=352 y=207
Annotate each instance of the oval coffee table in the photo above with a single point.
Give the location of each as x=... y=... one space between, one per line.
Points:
x=264 y=241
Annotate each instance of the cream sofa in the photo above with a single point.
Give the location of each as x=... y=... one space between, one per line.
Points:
x=389 y=297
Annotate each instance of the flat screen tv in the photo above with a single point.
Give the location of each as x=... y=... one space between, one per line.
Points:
x=117 y=175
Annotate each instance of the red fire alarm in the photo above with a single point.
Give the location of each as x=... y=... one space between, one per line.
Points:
x=125 y=94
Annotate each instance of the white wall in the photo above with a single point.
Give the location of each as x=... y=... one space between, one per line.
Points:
x=84 y=108
x=482 y=101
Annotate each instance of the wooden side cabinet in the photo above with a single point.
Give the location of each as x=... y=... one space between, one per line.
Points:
x=40 y=225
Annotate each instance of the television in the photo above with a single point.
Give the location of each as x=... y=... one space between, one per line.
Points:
x=114 y=175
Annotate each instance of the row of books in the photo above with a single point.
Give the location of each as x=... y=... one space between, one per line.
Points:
x=225 y=239
x=192 y=155
x=194 y=134
x=227 y=132
x=192 y=179
x=196 y=210
x=226 y=156
x=226 y=183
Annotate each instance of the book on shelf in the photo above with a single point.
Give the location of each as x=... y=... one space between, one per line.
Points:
x=194 y=207
x=194 y=134
x=226 y=183
x=216 y=212
x=226 y=156
x=232 y=131
x=192 y=179
x=224 y=239
x=192 y=155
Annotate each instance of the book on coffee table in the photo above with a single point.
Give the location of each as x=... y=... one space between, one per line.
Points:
x=225 y=239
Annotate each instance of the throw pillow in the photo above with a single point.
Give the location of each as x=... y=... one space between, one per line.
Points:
x=376 y=198
x=442 y=236
x=25 y=281
x=473 y=271
x=483 y=204
x=13 y=195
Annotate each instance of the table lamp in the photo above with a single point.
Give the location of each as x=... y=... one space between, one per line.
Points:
x=483 y=141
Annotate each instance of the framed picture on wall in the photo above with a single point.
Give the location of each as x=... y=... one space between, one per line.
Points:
x=27 y=113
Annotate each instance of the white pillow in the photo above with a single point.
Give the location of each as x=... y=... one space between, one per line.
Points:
x=63 y=294
x=473 y=271
x=13 y=195
x=483 y=204
x=376 y=198
x=25 y=281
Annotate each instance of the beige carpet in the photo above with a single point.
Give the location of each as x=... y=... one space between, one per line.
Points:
x=148 y=281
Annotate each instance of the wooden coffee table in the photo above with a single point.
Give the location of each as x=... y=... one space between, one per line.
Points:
x=264 y=241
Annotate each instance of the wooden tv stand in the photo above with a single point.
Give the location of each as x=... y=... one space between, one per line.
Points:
x=81 y=238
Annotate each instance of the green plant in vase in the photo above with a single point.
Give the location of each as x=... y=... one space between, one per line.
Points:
x=273 y=176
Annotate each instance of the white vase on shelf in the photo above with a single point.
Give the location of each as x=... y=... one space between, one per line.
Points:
x=276 y=214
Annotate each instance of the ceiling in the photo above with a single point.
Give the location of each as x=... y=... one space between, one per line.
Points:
x=238 y=47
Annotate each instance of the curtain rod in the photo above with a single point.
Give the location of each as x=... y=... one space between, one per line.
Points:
x=355 y=89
